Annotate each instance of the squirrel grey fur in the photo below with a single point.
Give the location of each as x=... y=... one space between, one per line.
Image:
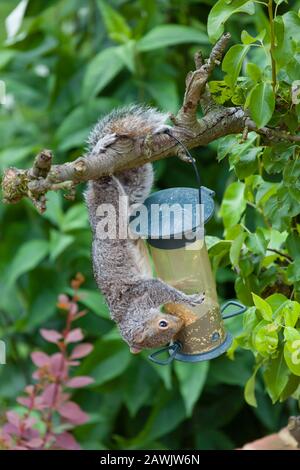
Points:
x=121 y=267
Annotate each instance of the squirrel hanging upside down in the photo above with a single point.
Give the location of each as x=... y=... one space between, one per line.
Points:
x=121 y=266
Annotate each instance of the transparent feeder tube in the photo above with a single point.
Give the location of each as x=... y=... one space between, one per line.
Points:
x=189 y=270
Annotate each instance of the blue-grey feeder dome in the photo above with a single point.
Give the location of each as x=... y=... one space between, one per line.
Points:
x=183 y=223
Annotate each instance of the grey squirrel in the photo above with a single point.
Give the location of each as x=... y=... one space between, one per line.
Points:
x=121 y=267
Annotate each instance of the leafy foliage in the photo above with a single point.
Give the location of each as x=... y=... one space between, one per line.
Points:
x=64 y=65
x=260 y=212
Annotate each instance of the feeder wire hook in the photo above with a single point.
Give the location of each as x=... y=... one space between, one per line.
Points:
x=191 y=160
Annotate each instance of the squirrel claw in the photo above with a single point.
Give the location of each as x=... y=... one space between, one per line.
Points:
x=195 y=299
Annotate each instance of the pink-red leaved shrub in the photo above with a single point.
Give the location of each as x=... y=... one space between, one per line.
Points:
x=49 y=412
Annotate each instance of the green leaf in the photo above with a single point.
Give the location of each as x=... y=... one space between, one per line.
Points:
x=170 y=35
x=292 y=26
x=287 y=38
x=257 y=243
x=249 y=391
x=191 y=382
x=221 y=92
x=14 y=155
x=93 y=300
x=263 y=307
x=236 y=247
x=291 y=175
x=216 y=246
x=81 y=118
x=261 y=103
x=219 y=413
x=253 y=71
x=115 y=23
x=245 y=164
x=248 y=39
x=264 y=192
x=109 y=359
x=221 y=11
x=5 y=57
x=165 y=93
x=165 y=416
x=243 y=288
x=12 y=380
x=164 y=373
x=291 y=313
x=75 y=140
x=127 y=55
x=290 y=388
x=43 y=307
x=232 y=145
x=276 y=376
x=140 y=383
x=265 y=338
x=268 y=414
x=233 y=204
x=28 y=256
x=280 y=207
x=224 y=371
x=100 y=71
x=218 y=251
x=54 y=212
x=76 y=218
x=213 y=439
x=233 y=61
x=291 y=334
x=284 y=46
x=293 y=272
x=58 y=243
x=292 y=350
x=276 y=301
x=293 y=71
x=250 y=320
x=293 y=245
x=274 y=160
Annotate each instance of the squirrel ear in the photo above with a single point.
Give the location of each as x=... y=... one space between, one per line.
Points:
x=139 y=337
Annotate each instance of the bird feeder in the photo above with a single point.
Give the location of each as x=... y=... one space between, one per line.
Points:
x=175 y=235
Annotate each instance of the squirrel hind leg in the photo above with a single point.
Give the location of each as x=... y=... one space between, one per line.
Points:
x=137 y=183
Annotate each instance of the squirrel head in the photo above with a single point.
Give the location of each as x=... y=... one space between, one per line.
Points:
x=158 y=330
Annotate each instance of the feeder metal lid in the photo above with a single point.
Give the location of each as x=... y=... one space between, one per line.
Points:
x=164 y=228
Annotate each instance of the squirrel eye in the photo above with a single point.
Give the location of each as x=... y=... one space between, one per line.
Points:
x=163 y=324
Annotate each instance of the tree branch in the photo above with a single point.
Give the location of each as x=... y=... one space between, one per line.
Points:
x=196 y=83
x=217 y=122
x=17 y=184
x=273 y=135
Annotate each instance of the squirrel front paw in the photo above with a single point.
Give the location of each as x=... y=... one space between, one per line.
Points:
x=195 y=299
x=104 y=142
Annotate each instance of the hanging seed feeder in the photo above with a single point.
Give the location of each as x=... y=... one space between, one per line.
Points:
x=175 y=235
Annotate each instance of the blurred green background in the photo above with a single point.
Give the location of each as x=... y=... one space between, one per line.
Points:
x=65 y=63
